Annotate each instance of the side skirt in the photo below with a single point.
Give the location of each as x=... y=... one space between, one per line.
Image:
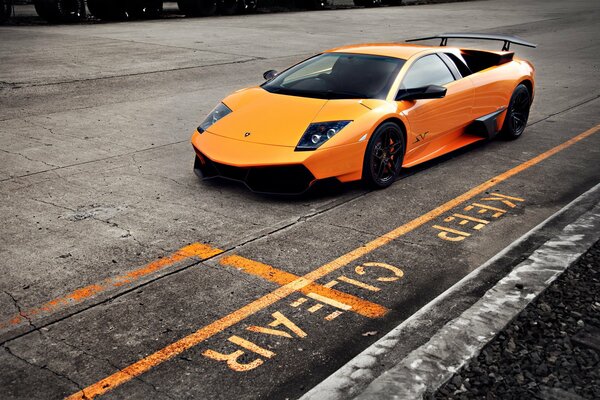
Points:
x=486 y=126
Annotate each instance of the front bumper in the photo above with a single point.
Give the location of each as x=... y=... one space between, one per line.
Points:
x=274 y=169
x=286 y=179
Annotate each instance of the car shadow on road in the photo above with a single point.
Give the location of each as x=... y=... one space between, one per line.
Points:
x=332 y=188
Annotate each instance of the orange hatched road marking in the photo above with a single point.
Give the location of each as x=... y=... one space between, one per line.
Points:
x=139 y=367
x=358 y=305
x=199 y=250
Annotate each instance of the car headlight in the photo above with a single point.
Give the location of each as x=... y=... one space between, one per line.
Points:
x=216 y=114
x=318 y=133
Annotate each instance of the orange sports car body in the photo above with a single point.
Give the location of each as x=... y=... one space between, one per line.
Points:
x=364 y=112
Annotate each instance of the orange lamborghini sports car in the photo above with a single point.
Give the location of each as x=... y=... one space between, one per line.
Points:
x=364 y=112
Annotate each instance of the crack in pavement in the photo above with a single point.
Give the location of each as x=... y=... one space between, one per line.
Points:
x=127 y=231
x=93 y=161
x=21 y=312
x=28 y=159
x=112 y=365
x=583 y=102
x=29 y=85
x=175 y=47
x=46 y=368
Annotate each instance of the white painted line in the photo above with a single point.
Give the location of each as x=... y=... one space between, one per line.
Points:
x=359 y=371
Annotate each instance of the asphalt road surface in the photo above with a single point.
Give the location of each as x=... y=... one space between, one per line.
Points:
x=125 y=276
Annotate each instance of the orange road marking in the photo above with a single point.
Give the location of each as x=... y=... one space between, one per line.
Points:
x=268 y=331
x=334 y=297
x=298 y=302
x=490 y=208
x=315 y=308
x=461 y=233
x=251 y=346
x=333 y=315
x=199 y=250
x=481 y=221
x=145 y=364
x=360 y=284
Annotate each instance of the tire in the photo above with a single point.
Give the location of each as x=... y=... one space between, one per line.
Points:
x=108 y=10
x=517 y=114
x=382 y=164
x=197 y=8
x=60 y=10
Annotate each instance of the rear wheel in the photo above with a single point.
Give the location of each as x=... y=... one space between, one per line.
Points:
x=384 y=155
x=197 y=8
x=60 y=10
x=517 y=114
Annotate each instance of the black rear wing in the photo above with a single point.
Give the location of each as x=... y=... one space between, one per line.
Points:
x=482 y=36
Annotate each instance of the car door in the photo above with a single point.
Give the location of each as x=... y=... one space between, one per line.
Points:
x=435 y=122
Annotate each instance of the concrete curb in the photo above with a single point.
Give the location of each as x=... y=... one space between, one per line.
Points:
x=429 y=366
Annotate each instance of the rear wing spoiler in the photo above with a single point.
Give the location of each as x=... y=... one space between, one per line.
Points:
x=482 y=36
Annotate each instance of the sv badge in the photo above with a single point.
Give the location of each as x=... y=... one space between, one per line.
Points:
x=420 y=137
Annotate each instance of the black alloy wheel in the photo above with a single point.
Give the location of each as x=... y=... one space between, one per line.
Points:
x=517 y=114
x=384 y=155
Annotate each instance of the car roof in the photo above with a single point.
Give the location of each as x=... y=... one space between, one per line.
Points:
x=397 y=50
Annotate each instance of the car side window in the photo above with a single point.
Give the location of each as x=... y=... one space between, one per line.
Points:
x=461 y=65
x=428 y=70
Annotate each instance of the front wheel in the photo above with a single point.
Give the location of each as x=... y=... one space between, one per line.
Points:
x=384 y=155
x=517 y=114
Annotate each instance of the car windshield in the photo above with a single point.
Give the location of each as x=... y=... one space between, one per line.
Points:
x=338 y=76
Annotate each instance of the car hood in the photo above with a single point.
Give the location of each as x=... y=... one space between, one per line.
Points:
x=259 y=116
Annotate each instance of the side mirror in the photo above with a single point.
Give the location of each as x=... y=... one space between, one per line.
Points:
x=270 y=74
x=425 y=92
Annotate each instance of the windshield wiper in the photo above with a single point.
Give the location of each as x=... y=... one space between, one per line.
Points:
x=319 y=94
x=343 y=94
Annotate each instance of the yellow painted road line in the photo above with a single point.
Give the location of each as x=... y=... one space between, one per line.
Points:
x=199 y=250
x=170 y=351
x=350 y=302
